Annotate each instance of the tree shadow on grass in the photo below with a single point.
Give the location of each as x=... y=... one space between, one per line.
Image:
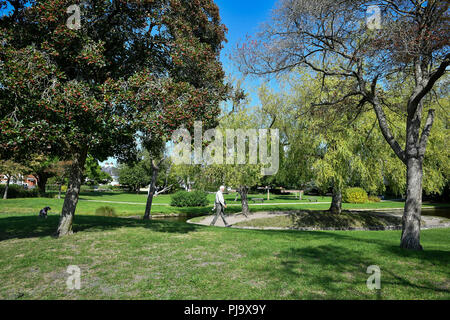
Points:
x=22 y=227
x=435 y=257
x=336 y=272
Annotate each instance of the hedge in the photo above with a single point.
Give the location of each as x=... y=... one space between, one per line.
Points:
x=189 y=199
x=16 y=191
x=355 y=195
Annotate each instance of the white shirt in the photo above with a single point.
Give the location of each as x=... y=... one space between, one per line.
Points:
x=219 y=198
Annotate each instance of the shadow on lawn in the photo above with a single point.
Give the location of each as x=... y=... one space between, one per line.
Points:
x=31 y=226
x=331 y=271
x=386 y=245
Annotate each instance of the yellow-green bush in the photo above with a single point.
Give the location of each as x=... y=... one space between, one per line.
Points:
x=374 y=199
x=355 y=195
x=106 y=211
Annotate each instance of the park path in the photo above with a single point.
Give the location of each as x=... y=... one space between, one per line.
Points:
x=235 y=218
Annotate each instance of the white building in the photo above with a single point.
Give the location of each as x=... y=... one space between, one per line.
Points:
x=110 y=169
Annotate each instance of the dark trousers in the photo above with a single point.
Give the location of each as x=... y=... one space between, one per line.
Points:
x=219 y=211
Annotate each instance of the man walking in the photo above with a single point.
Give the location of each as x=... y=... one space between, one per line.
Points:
x=220 y=207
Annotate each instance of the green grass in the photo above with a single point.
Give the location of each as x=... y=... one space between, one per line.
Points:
x=324 y=219
x=161 y=204
x=165 y=198
x=135 y=259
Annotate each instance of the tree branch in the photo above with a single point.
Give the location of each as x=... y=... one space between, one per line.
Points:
x=438 y=73
x=381 y=116
x=426 y=132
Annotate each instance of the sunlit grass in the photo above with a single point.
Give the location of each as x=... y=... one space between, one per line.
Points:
x=135 y=259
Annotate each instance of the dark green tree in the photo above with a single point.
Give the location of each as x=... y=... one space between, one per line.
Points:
x=76 y=89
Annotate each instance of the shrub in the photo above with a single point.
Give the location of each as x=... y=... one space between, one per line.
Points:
x=111 y=188
x=374 y=199
x=16 y=191
x=355 y=195
x=189 y=199
x=86 y=188
x=106 y=211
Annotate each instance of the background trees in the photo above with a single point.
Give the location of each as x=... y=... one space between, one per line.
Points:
x=10 y=169
x=59 y=171
x=136 y=176
x=94 y=173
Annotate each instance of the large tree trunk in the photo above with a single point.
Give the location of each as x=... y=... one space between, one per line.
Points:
x=243 y=191
x=148 y=207
x=72 y=194
x=336 y=201
x=411 y=216
x=5 y=193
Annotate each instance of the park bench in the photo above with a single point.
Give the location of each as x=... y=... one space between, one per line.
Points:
x=260 y=200
x=300 y=192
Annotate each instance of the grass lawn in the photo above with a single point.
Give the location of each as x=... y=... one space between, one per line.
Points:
x=135 y=259
x=165 y=198
x=161 y=204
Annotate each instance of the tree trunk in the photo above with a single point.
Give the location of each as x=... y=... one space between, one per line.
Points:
x=410 y=238
x=5 y=193
x=148 y=206
x=336 y=201
x=72 y=194
x=42 y=182
x=243 y=191
x=59 y=191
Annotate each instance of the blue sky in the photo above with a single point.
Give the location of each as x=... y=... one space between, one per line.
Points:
x=242 y=17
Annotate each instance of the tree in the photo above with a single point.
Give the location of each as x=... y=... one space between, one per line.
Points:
x=238 y=127
x=187 y=175
x=332 y=39
x=155 y=157
x=94 y=173
x=59 y=171
x=75 y=91
x=334 y=150
x=135 y=176
x=11 y=169
x=40 y=167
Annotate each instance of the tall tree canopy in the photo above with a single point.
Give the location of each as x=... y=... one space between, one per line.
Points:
x=73 y=91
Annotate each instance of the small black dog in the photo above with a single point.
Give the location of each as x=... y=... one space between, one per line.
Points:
x=43 y=212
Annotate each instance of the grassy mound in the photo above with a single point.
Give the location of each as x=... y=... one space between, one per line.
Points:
x=325 y=219
x=136 y=259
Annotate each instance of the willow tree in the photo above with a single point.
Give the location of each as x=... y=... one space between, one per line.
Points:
x=332 y=149
x=352 y=40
